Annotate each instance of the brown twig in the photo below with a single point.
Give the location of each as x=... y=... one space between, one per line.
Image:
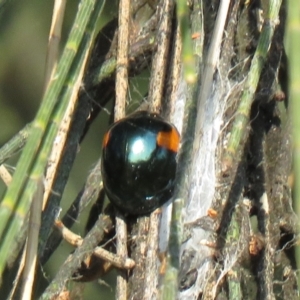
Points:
x=122 y=59
x=121 y=93
x=174 y=78
x=76 y=241
x=70 y=266
x=88 y=194
x=5 y=175
x=31 y=248
x=151 y=268
x=54 y=38
x=159 y=62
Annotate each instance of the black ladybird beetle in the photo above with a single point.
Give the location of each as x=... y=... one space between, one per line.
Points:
x=139 y=162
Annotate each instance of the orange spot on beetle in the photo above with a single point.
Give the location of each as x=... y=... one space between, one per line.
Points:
x=168 y=139
x=106 y=139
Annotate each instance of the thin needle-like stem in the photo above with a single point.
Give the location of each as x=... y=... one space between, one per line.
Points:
x=293 y=50
x=32 y=243
x=159 y=63
x=210 y=67
x=156 y=91
x=31 y=247
x=54 y=38
x=122 y=59
x=5 y=175
x=121 y=93
x=188 y=59
x=32 y=163
x=15 y=144
x=76 y=240
x=258 y=61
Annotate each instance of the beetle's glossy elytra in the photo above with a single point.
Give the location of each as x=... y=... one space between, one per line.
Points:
x=139 y=162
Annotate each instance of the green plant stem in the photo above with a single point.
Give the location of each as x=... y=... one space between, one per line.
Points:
x=31 y=166
x=293 y=50
x=15 y=144
x=74 y=78
x=243 y=112
x=187 y=46
x=170 y=285
x=169 y=288
x=101 y=73
x=88 y=194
